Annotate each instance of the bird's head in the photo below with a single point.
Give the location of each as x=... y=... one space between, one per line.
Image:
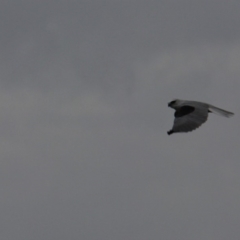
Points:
x=176 y=103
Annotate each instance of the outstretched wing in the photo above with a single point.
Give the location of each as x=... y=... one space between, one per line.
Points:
x=188 y=118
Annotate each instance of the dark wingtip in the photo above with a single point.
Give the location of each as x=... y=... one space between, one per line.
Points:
x=170 y=132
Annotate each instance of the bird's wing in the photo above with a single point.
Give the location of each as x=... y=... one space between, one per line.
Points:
x=220 y=111
x=192 y=118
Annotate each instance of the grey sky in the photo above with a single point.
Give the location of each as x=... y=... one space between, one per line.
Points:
x=84 y=147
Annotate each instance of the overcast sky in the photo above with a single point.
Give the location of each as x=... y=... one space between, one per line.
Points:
x=84 y=148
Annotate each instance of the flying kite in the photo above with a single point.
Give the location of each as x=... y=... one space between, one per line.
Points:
x=190 y=115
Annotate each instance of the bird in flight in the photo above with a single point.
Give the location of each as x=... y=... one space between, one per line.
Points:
x=189 y=115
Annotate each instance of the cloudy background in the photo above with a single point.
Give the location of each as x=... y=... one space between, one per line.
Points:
x=84 y=148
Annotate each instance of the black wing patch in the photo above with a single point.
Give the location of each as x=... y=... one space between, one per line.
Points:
x=183 y=111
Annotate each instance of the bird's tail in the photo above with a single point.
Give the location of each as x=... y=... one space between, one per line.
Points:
x=220 y=111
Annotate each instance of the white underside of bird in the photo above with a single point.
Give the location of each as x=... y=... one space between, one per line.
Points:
x=189 y=115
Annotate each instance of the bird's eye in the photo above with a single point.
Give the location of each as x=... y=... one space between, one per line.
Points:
x=172 y=102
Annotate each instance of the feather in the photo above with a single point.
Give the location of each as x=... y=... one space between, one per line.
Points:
x=220 y=111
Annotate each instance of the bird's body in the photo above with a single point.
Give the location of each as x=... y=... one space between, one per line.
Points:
x=189 y=115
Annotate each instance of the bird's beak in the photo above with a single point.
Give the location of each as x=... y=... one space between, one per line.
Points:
x=169 y=104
